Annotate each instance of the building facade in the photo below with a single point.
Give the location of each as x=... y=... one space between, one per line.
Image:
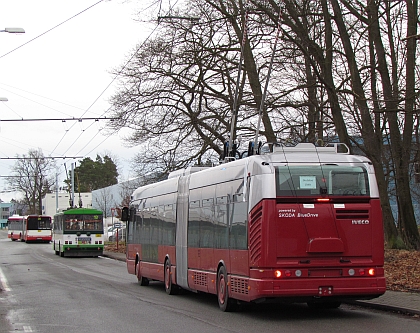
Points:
x=6 y=210
x=53 y=202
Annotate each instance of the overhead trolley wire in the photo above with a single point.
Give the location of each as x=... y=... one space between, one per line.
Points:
x=106 y=88
x=51 y=29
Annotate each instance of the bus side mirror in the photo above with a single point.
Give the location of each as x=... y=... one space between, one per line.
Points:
x=125 y=214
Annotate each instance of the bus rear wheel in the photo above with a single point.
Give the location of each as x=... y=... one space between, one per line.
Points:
x=226 y=304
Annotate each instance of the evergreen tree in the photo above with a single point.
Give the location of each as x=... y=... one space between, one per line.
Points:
x=92 y=175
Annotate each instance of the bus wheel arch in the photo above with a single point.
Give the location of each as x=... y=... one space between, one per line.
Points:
x=226 y=303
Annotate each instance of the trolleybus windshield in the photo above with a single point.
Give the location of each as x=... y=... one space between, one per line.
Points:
x=311 y=180
x=39 y=223
x=83 y=222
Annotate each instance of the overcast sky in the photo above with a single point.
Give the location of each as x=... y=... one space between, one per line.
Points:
x=60 y=68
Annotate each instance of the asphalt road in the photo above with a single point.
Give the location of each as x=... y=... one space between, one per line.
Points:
x=42 y=292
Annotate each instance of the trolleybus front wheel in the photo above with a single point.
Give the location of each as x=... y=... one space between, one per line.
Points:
x=142 y=280
x=225 y=303
x=170 y=288
x=59 y=250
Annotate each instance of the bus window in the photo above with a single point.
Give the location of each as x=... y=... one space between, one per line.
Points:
x=323 y=179
x=348 y=183
x=43 y=224
x=92 y=224
x=75 y=225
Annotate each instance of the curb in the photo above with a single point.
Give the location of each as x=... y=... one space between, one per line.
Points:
x=111 y=255
x=385 y=307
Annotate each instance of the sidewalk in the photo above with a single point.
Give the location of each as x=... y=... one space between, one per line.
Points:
x=408 y=303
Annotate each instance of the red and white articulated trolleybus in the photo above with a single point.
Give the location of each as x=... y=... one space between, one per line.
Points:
x=37 y=228
x=298 y=224
x=15 y=227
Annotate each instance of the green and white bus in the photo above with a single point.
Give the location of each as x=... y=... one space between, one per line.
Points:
x=78 y=232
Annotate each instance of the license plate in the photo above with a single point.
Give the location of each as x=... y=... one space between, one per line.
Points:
x=83 y=240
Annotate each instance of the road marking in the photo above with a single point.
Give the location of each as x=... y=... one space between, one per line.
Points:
x=3 y=281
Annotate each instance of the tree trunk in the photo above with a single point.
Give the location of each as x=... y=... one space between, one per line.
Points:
x=313 y=113
x=400 y=145
x=408 y=223
x=252 y=74
x=390 y=229
x=308 y=46
x=370 y=139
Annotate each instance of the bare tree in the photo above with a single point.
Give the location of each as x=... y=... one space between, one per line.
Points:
x=178 y=91
x=353 y=64
x=127 y=188
x=337 y=73
x=32 y=175
x=105 y=201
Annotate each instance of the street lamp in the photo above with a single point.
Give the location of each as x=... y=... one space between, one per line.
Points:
x=13 y=30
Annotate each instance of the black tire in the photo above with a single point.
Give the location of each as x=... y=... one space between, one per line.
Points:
x=141 y=279
x=226 y=304
x=170 y=288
